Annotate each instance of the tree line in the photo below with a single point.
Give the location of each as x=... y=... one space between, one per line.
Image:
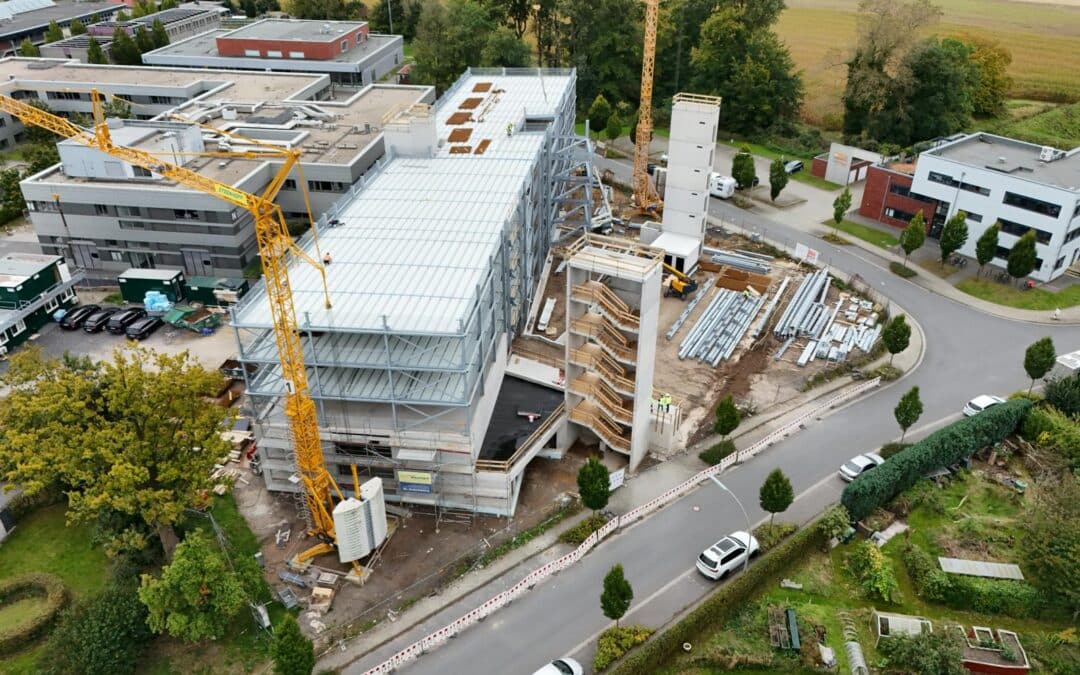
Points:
x=126 y=50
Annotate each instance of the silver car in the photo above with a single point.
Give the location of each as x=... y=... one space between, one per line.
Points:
x=860 y=464
x=981 y=403
x=728 y=554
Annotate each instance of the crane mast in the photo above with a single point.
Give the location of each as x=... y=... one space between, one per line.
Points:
x=647 y=198
x=276 y=247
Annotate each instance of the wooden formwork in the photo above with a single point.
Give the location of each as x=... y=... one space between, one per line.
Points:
x=736 y=280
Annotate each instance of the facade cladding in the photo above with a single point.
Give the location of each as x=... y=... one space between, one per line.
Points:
x=1021 y=186
x=434 y=262
x=108 y=217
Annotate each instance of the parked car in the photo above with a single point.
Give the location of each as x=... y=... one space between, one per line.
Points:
x=754 y=183
x=981 y=403
x=728 y=554
x=650 y=168
x=143 y=328
x=794 y=166
x=563 y=666
x=98 y=319
x=722 y=187
x=860 y=464
x=77 y=315
x=119 y=322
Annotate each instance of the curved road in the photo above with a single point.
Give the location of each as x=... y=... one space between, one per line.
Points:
x=967 y=353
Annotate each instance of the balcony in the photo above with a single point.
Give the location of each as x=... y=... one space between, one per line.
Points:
x=610 y=305
x=591 y=417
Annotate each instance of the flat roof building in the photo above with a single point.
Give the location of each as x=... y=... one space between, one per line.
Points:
x=22 y=19
x=343 y=49
x=179 y=22
x=435 y=259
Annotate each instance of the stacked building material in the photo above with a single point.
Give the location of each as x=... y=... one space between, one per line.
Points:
x=720 y=328
x=808 y=316
x=741 y=261
x=677 y=323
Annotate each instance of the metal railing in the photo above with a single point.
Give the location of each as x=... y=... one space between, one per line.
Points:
x=503 y=466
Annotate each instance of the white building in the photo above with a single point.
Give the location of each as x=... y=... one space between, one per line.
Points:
x=1020 y=185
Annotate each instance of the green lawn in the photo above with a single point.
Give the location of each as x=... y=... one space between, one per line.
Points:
x=1011 y=296
x=867 y=234
x=42 y=542
x=803 y=176
x=13 y=614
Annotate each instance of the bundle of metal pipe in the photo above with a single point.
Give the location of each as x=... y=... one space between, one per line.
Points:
x=760 y=325
x=741 y=262
x=677 y=324
x=806 y=313
x=721 y=327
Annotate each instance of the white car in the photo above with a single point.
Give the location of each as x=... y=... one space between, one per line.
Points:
x=981 y=403
x=860 y=464
x=728 y=554
x=563 y=666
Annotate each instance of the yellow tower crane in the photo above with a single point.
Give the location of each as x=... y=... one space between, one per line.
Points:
x=648 y=200
x=276 y=248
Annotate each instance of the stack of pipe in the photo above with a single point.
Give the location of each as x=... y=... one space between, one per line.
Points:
x=677 y=324
x=741 y=261
x=806 y=313
x=721 y=326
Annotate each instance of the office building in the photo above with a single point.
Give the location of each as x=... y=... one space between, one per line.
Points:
x=29 y=19
x=32 y=287
x=179 y=23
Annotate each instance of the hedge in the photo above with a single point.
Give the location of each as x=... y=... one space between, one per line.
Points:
x=1017 y=599
x=944 y=447
x=50 y=587
x=721 y=605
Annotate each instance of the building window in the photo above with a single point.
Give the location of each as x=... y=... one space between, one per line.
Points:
x=1032 y=204
x=273 y=54
x=51 y=305
x=1002 y=253
x=252 y=52
x=161 y=100
x=20 y=326
x=46 y=206
x=985 y=192
x=941 y=179
x=1072 y=235
x=1014 y=228
x=129 y=210
x=899 y=189
x=898 y=214
x=140 y=172
x=101 y=209
x=117 y=256
x=1059 y=263
x=326 y=186
x=296 y=55
x=288 y=184
x=185 y=214
x=344 y=46
x=975 y=217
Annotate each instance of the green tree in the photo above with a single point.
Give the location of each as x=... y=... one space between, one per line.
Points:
x=116 y=107
x=103 y=635
x=1064 y=394
x=987 y=245
x=908 y=410
x=778 y=178
x=28 y=49
x=617 y=595
x=293 y=653
x=594 y=484
x=896 y=335
x=12 y=202
x=603 y=41
x=835 y=523
x=953 y=236
x=448 y=40
x=94 y=52
x=143 y=40
x=913 y=236
x=197 y=595
x=168 y=4
x=76 y=27
x=122 y=16
x=1052 y=543
x=742 y=168
x=53 y=33
x=841 y=205
x=599 y=112
x=992 y=60
x=775 y=494
x=1022 y=256
x=143 y=8
x=937 y=653
x=322 y=10
x=614 y=127
x=147 y=437
x=505 y=49
x=159 y=35
x=404 y=14
x=250 y=10
x=727 y=417
x=742 y=60
x=40 y=156
x=124 y=50
x=1039 y=359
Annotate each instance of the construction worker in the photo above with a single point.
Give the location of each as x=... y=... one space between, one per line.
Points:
x=509 y=128
x=326 y=259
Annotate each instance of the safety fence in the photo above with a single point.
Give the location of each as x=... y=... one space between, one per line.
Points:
x=442 y=635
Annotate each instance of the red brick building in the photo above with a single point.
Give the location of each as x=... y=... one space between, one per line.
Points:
x=887 y=196
x=285 y=39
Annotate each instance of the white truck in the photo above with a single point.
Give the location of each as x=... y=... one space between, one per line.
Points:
x=721 y=186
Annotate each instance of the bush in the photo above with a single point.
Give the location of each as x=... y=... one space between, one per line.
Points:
x=901 y=271
x=38 y=585
x=873 y=571
x=1047 y=426
x=614 y=642
x=890 y=449
x=1064 y=393
x=717 y=453
x=944 y=447
x=771 y=535
x=887 y=373
x=580 y=532
x=104 y=635
x=722 y=604
x=835 y=523
x=989 y=596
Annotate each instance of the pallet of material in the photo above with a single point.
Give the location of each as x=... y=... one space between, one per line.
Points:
x=736 y=280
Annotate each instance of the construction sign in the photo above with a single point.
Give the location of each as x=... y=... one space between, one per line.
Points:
x=415 y=481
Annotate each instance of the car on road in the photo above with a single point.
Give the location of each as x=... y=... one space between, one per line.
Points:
x=98 y=319
x=721 y=187
x=860 y=464
x=981 y=403
x=794 y=166
x=728 y=554
x=563 y=666
x=76 y=316
x=119 y=322
x=143 y=328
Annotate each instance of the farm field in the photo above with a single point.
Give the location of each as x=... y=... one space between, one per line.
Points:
x=1043 y=38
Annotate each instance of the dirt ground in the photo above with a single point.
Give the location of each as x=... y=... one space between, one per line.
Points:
x=420 y=557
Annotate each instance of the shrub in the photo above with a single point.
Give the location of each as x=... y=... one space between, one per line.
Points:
x=887 y=373
x=902 y=271
x=769 y=536
x=944 y=447
x=51 y=588
x=873 y=571
x=1064 y=393
x=890 y=449
x=614 y=642
x=988 y=596
x=835 y=523
x=717 y=453
x=101 y=636
x=1048 y=426
x=580 y=532
x=722 y=604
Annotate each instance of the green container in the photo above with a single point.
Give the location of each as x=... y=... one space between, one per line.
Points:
x=135 y=282
x=216 y=291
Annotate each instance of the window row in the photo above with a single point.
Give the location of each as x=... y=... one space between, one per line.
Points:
x=1019 y=230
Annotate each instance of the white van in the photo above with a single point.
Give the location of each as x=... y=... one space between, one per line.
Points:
x=721 y=186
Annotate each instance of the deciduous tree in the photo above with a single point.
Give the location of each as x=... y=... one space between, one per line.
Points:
x=1039 y=359
x=448 y=40
x=742 y=168
x=778 y=178
x=40 y=156
x=993 y=60
x=775 y=494
x=143 y=40
x=1052 y=543
x=594 y=484
x=614 y=127
x=293 y=654
x=53 y=33
x=953 y=236
x=28 y=49
x=908 y=410
x=124 y=50
x=913 y=236
x=324 y=10
x=94 y=52
x=505 y=49
x=617 y=595
x=135 y=435
x=103 y=635
x=727 y=417
x=987 y=245
x=159 y=35
x=599 y=112
x=603 y=40
x=841 y=205
x=12 y=202
x=76 y=27
x=116 y=107
x=896 y=335
x=1022 y=256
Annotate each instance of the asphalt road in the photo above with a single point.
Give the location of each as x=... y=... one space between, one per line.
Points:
x=967 y=353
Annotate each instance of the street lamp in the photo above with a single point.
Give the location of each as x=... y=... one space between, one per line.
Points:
x=749 y=534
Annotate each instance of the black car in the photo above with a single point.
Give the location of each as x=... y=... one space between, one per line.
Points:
x=119 y=322
x=98 y=319
x=143 y=328
x=77 y=315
